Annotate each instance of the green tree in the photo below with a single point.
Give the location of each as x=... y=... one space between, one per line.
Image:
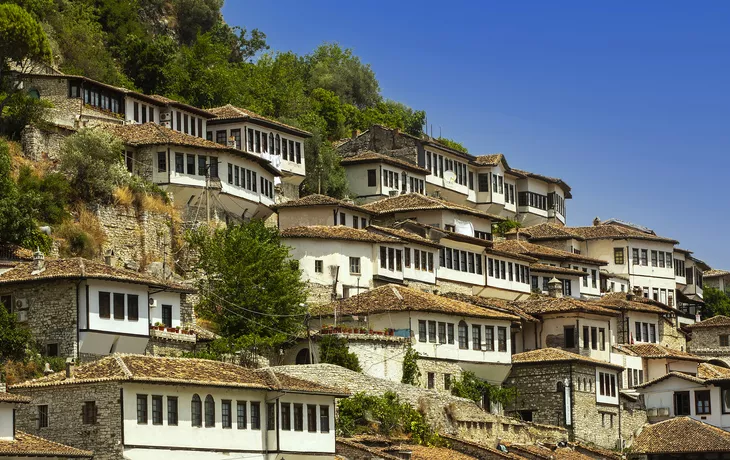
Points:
x=716 y=302
x=148 y=61
x=48 y=196
x=502 y=228
x=325 y=174
x=196 y=17
x=250 y=288
x=334 y=350
x=411 y=373
x=452 y=144
x=242 y=45
x=469 y=386
x=19 y=109
x=91 y=160
x=15 y=339
x=390 y=114
x=22 y=37
x=340 y=71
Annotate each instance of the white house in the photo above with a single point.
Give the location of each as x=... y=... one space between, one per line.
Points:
x=17 y=445
x=449 y=335
x=321 y=210
x=142 y=407
x=199 y=174
x=372 y=176
x=270 y=139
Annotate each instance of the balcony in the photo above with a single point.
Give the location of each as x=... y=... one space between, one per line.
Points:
x=176 y=334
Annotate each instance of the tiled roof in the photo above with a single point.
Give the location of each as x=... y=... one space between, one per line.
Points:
x=619 y=301
x=491 y=302
x=6 y=397
x=490 y=160
x=182 y=105
x=544 y=268
x=680 y=435
x=715 y=321
x=27 y=445
x=714 y=273
x=14 y=252
x=548 y=231
x=602 y=231
x=229 y=112
x=79 y=268
x=419 y=202
x=542 y=304
x=321 y=200
x=190 y=371
x=551 y=180
x=555 y=355
x=368 y=156
x=336 y=232
x=709 y=371
x=394 y=298
x=154 y=134
x=656 y=351
x=669 y=375
x=539 y=251
x=404 y=235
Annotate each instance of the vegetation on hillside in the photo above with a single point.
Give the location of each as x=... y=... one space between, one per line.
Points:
x=469 y=386
x=334 y=350
x=717 y=302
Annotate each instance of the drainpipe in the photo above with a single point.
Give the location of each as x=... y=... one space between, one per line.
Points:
x=620 y=441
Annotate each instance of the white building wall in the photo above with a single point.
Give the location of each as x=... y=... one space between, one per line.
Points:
x=661 y=396
x=122 y=326
x=554 y=326
x=7 y=419
x=165 y=298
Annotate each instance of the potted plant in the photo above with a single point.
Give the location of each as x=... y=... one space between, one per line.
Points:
x=159 y=326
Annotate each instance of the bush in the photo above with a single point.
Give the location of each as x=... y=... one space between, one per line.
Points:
x=83 y=238
x=411 y=373
x=334 y=350
x=48 y=194
x=471 y=387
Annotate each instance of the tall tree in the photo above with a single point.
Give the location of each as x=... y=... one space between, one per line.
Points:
x=716 y=302
x=341 y=72
x=250 y=288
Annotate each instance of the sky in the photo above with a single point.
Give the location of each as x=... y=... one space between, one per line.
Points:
x=626 y=101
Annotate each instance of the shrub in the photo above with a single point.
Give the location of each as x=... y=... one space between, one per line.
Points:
x=411 y=373
x=84 y=237
x=123 y=196
x=471 y=387
x=334 y=350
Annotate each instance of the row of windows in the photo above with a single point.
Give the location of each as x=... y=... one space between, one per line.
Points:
x=247 y=414
x=391 y=259
x=693 y=276
x=438 y=164
x=556 y=202
x=132 y=305
x=464 y=261
x=96 y=97
x=140 y=112
x=442 y=332
x=391 y=180
x=508 y=271
x=357 y=222
x=242 y=177
x=535 y=285
x=645 y=332
x=185 y=123
x=499 y=185
x=187 y=164
x=634 y=377
x=703 y=405
x=259 y=142
x=593 y=337
x=532 y=199
x=607 y=384
x=422 y=260
x=659 y=259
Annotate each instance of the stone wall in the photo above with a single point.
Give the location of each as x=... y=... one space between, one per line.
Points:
x=160 y=347
x=706 y=341
x=671 y=337
x=440 y=369
x=383 y=140
x=51 y=313
x=43 y=143
x=318 y=294
x=65 y=404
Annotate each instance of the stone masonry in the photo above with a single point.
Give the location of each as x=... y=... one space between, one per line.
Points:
x=706 y=342
x=65 y=424
x=671 y=337
x=43 y=143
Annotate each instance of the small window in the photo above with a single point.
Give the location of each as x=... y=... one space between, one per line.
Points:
x=285 y=416
x=209 y=412
x=618 y=256
x=318 y=266
x=52 y=349
x=702 y=402
x=172 y=410
x=421 y=330
x=270 y=412
x=179 y=163
x=372 y=177
x=157 y=410
x=104 y=304
x=569 y=337
x=432 y=331
x=450 y=333
x=161 y=161
x=132 y=307
x=502 y=338
x=312 y=418
x=725 y=340
x=324 y=419
x=431 y=383
x=89 y=413
x=241 y=415
x=298 y=417
x=354 y=265
x=463 y=336
x=226 y=419
x=196 y=411
x=118 y=306
x=43 y=416
x=255 y=415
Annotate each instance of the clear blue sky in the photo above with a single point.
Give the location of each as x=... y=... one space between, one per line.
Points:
x=627 y=101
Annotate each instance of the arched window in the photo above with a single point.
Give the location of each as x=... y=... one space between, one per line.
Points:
x=271 y=143
x=34 y=93
x=303 y=357
x=196 y=417
x=560 y=387
x=463 y=335
x=579 y=387
x=585 y=387
x=209 y=412
x=590 y=385
x=278 y=145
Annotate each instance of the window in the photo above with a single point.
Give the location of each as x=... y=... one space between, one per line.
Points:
x=179 y=163
x=442 y=332
x=118 y=306
x=167 y=315
x=285 y=416
x=618 y=256
x=724 y=340
x=681 y=403
x=602 y=338
x=421 y=330
x=661 y=260
x=594 y=338
x=725 y=396
x=324 y=419
x=298 y=417
x=430 y=262
x=88 y=413
x=483 y=182
x=463 y=336
x=213 y=167
x=644 y=256
x=635 y=256
x=652 y=333
x=653 y=258
x=202 y=165
x=702 y=402
x=569 y=337
x=191 y=164
x=255 y=415
x=354 y=265
x=431 y=381
x=312 y=418
x=593 y=279
x=669 y=259
x=185 y=123
x=450 y=333
x=502 y=338
x=156 y=410
x=196 y=411
x=241 y=415
x=607 y=384
x=399 y=260
x=104 y=304
x=172 y=410
x=270 y=411
x=43 y=416
x=318 y=266
x=132 y=307
x=644 y=332
x=586 y=338
x=489 y=338
x=209 y=411
x=476 y=336
x=226 y=419
x=432 y=331
x=161 y=161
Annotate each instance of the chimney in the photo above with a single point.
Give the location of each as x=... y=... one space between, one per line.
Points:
x=47 y=369
x=555 y=288
x=70 y=367
x=596 y=222
x=635 y=293
x=38 y=261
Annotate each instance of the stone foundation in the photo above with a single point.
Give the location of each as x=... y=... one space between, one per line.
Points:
x=706 y=341
x=43 y=144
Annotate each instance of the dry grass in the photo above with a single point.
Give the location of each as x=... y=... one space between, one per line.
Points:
x=82 y=236
x=123 y=196
x=154 y=204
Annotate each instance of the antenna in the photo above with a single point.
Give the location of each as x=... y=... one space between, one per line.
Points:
x=439 y=132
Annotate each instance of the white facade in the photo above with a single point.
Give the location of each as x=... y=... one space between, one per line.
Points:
x=152 y=435
x=660 y=401
x=450 y=175
x=373 y=181
x=321 y=215
x=7 y=421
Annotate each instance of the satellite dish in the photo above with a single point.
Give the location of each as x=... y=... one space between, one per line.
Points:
x=449 y=176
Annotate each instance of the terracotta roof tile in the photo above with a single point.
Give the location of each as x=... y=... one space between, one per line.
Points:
x=394 y=298
x=404 y=235
x=548 y=231
x=182 y=105
x=336 y=232
x=142 y=368
x=680 y=435
x=542 y=304
x=536 y=250
x=489 y=160
x=619 y=301
x=544 y=268
x=673 y=374
x=552 y=180
x=709 y=371
x=79 y=268
x=656 y=351
x=368 y=156
x=419 y=202
x=550 y=355
x=714 y=273
x=6 y=397
x=27 y=445
x=154 y=134
x=321 y=200
x=230 y=112
x=715 y=321
x=602 y=231
x=493 y=303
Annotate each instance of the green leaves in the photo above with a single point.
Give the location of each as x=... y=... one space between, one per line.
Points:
x=411 y=373
x=22 y=37
x=334 y=350
x=471 y=387
x=716 y=302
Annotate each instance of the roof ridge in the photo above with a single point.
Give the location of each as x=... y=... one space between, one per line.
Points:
x=275 y=378
x=123 y=366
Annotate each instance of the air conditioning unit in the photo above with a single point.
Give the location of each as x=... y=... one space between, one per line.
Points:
x=153 y=303
x=663 y=412
x=22 y=316
x=394 y=193
x=21 y=304
x=165 y=116
x=651 y=412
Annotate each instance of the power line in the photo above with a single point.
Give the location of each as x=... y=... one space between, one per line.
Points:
x=272 y=315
